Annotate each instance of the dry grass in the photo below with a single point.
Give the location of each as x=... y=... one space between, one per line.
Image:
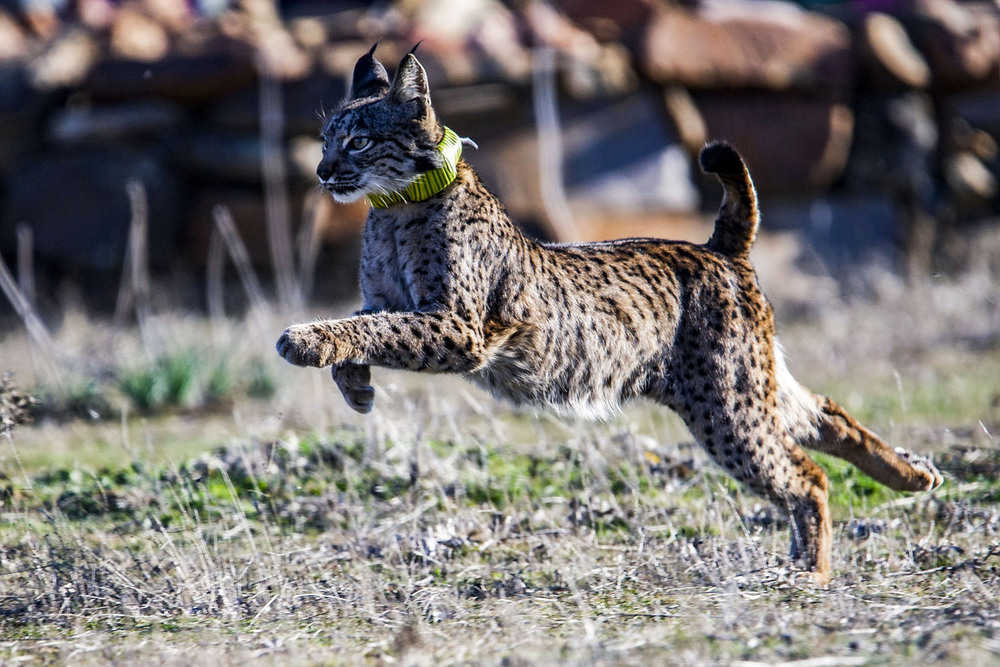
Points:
x=446 y=529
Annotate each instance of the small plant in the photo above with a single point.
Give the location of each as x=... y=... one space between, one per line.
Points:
x=144 y=387
x=180 y=377
x=15 y=405
x=169 y=382
x=260 y=383
x=186 y=380
x=219 y=385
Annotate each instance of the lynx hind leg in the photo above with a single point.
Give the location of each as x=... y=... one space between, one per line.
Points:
x=780 y=471
x=746 y=440
x=841 y=435
x=354 y=382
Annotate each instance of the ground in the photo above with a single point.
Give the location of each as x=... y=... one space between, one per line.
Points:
x=209 y=506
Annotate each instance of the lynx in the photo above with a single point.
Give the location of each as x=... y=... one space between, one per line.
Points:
x=451 y=285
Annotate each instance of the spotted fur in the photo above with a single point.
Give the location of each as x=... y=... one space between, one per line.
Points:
x=451 y=285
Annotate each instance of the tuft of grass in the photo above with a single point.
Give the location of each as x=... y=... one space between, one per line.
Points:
x=852 y=493
x=169 y=381
x=186 y=380
x=220 y=384
x=260 y=382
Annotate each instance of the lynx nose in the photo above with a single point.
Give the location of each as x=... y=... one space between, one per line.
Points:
x=325 y=170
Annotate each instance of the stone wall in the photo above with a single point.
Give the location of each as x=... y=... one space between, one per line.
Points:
x=888 y=118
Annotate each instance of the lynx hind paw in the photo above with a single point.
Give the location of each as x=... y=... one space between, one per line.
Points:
x=354 y=382
x=359 y=399
x=922 y=464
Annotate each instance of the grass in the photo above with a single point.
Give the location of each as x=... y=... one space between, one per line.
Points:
x=223 y=507
x=335 y=546
x=185 y=379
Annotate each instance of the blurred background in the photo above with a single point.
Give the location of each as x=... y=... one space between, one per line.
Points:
x=191 y=128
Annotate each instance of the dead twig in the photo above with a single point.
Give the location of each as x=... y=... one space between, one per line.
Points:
x=37 y=331
x=26 y=261
x=550 y=157
x=241 y=259
x=279 y=233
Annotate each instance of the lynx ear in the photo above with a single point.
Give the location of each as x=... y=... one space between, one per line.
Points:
x=370 y=78
x=409 y=87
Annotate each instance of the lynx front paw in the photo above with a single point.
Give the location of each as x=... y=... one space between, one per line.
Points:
x=307 y=345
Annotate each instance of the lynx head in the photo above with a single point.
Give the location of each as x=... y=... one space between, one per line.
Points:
x=383 y=135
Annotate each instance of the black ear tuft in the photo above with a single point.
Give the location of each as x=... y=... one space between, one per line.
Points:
x=370 y=78
x=409 y=87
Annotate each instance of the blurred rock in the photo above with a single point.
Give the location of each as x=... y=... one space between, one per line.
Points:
x=969 y=178
x=807 y=154
x=472 y=41
x=278 y=54
x=235 y=158
x=980 y=109
x=135 y=36
x=42 y=18
x=841 y=231
x=96 y=14
x=186 y=79
x=686 y=117
x=767 y=45
x=13 y=41
x=66 y=61
x=606 y=168
x=303 y=103
x=20 y=107
x=623 y=20
x=337 y=223
x=885 y=48
x=974 y=140
x=220 y=156
x=814 y=103
x=248 y=211
x=961 y=41
x=895 y=154
x=77 y=207
x=309 y=32
x=895 y=145
x=113 y=123
x=247 y=206
x=174 y=15
x=304 y=154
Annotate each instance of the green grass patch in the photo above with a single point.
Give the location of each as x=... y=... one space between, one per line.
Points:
x=851 y=492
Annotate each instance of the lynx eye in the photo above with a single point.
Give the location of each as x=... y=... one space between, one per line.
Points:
x=359 y=143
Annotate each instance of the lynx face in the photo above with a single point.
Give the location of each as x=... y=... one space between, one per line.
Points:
x=382 y=137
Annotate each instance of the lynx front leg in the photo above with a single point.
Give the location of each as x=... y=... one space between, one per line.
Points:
x=438 y=342
x=354 y=380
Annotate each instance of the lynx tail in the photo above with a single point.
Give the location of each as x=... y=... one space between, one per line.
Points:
x=736 y=226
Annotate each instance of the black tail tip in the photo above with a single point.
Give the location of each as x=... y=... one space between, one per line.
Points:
x=720 y=158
